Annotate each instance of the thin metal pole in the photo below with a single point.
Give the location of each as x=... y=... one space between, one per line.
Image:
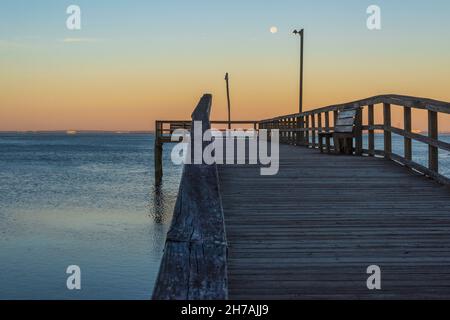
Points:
x=228 y=99
x=301 y=33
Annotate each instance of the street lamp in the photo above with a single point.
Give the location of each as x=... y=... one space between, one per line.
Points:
x=300 y=100
x=227 y=78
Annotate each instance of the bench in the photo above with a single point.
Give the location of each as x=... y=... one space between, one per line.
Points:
x=343 y=132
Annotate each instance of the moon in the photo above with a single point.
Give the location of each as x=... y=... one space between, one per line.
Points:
x=273 y=30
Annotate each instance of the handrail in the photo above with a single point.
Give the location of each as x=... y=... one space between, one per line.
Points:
x=194 y=266
x=302 y=128
x=160 y=129
x=407 y=101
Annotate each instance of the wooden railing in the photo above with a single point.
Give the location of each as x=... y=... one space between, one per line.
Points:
x=194 y=265
x=163 y=128
x=303 y=129
x=163 y=134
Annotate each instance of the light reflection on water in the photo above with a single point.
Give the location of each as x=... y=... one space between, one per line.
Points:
x=84 y=199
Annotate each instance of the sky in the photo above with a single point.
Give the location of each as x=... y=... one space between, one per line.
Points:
x=134 y=62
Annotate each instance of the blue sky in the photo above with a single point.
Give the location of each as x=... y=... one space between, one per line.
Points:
x=167 y=53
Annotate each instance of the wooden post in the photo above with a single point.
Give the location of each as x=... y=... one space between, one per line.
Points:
x=158 y=150
x=358 y=133
x=387 y=131
x=327 y=129
x=227 y=78
x=335 y=117
x=288 y=133
x=307 y=130
x=301 y=134
x=407 y=128
x=291 y=133
x=433 y=155
x=371 y=122
x=319 y=130
x=319 y=122
x=313 y=132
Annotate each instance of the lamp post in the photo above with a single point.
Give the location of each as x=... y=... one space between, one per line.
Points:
x=300 y=100
x=228 y=100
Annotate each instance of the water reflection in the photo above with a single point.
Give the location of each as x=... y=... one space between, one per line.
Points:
x=159 y=213
x=85 y=199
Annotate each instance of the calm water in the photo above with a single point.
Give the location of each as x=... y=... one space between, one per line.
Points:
x=85 y=199
x=88 y=200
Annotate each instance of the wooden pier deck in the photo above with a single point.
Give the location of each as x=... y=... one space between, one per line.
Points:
x=311 y=231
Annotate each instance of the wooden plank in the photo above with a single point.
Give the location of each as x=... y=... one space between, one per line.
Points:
x=285 y=242
x=193 y=265
x=196 y=272
x=345 y=122
x=344 y=129
x=347 y=114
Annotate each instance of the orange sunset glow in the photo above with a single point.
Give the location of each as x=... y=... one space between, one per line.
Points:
x=122 y=78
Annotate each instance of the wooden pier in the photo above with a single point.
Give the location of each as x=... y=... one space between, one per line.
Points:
x=311 y=231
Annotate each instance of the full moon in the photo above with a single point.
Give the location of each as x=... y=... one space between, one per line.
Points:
x=273 y=30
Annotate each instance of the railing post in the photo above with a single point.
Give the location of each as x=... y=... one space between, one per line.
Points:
x=407 y=128
x=301 y=133
x=327 y=130
x=291 y=133
x=307 y=130
x=371 y=122
x=313 y=132
x=387 y=130
x=319 y=122
x=280 y=128
x=433 y=156
x=358 y=132
x=158 y=150
x=319 y=130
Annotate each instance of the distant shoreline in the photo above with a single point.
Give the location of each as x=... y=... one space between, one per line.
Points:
x=74 y=132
